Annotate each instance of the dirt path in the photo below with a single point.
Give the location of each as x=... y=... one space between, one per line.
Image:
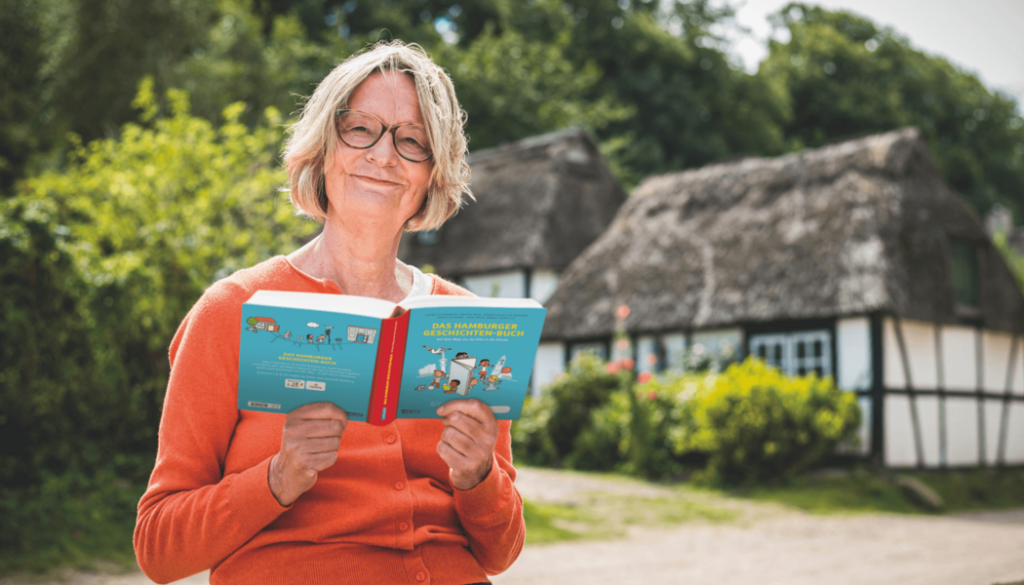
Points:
x=762 y=544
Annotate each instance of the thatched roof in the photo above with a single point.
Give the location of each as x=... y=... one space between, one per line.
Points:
x=851 y=228
x=539 y=203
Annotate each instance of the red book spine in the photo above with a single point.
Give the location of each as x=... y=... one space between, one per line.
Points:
x=387 y=372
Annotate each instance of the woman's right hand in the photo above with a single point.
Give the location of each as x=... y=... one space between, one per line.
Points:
x=309 y=443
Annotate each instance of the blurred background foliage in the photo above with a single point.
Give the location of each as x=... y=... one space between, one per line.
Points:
x=140 y=160
x=747 y=424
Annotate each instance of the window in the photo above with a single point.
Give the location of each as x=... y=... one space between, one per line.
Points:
x=598 y=348
x=964 y=259
x=796 y=354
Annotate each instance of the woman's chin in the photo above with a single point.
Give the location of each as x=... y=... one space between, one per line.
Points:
x=370 y=203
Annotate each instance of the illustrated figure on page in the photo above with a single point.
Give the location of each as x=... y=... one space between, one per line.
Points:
x=452 y=387
x=438 y=377
x=482 y=374
x=461 y=370
x=439 y=351
x=492 y=383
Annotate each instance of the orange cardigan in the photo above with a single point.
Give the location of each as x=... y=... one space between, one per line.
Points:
x=385 y=512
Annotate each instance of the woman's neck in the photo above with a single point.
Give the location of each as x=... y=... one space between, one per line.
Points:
x=360 y=261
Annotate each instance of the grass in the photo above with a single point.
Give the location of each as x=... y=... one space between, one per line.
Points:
x=861 y=491
x=64 y=525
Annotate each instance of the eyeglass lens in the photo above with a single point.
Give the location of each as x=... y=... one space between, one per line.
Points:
x=360 y=130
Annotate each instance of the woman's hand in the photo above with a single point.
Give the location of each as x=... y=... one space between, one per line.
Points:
x=467 y=441
x=309 y=443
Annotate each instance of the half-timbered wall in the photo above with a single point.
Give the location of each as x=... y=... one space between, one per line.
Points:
x=854 y=374
x=954 y=395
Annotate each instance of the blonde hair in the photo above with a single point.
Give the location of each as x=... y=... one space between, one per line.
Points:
x=314 y=138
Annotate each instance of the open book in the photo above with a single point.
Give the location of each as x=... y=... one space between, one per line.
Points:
x=379 y=361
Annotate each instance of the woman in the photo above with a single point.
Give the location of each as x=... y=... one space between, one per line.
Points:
x=379 y=150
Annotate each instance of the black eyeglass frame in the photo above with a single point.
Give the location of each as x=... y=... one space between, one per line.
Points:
x=384 y=130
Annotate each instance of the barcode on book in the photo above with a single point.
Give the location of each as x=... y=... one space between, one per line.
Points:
x=264 y=405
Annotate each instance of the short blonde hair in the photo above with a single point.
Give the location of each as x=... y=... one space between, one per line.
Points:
x=314 y=138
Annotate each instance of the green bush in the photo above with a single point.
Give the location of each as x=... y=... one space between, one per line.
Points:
x=99 y=262
x=548 y=430
x=750 y=423
x=756 y=423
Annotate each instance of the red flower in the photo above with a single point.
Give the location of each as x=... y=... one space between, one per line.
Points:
x=652 y=395
x=612 y=367
x=644 y=377
x=628 y=363
x=622 y=312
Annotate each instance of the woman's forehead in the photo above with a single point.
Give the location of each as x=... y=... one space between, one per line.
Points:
x=389 y=96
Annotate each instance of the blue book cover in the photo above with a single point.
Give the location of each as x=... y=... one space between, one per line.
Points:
x=477 y=352
x=379 y=361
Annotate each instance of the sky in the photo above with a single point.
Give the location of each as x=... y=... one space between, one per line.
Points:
x=981 y=36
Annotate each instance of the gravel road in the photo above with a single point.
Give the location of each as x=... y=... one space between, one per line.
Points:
x=767 y=545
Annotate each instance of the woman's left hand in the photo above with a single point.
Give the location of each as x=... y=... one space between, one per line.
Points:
x=467 y=441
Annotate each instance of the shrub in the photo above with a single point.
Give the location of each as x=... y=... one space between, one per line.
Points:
x=99 y=262
x=547 y=432
x=756 y=423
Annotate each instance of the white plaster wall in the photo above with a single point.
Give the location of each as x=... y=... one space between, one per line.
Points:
x=961 y=431
x=892 y=369
x=996 y=347
x=675 y=351
x=899 y=432
x=993 y=411
x=716 y=340
x=1018 y=369
x=646 y=352
x=548 y=365
x=1015 y=434
x=928 y=420
x=510 y=284
x=919 y=337
x=959 y=353
x=853 y=349
x=542 y=285
x=862 y=444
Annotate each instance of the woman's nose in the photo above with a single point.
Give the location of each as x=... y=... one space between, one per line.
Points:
x=383 y=153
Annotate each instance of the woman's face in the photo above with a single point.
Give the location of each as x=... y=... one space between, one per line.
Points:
x=376 y=186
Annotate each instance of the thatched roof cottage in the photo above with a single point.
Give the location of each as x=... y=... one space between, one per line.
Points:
x=539 y=203
x=854 y=260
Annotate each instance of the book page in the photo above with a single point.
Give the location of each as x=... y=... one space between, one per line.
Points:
x=452 y=301
x=351 y=304
x=291 y=357
x=481 y=352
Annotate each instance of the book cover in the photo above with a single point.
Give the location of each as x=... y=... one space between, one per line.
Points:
x=379 y=361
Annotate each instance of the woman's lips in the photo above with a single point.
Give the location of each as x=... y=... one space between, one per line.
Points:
x=381 y=182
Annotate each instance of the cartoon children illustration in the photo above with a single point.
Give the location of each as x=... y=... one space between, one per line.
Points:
x=309 y=338
x=492 y=383
x=287 y=334
x=461 y=355
x=484 y=363
x=321 y=339
x=469 y=385
x=438 y=376
x=453 y=388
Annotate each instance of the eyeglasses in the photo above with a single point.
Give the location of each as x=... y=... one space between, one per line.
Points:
x=362 y=130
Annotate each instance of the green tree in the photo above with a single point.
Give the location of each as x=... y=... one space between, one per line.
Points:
x=844 y=76
x=100 y=263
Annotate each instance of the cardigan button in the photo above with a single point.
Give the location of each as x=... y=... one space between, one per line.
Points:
x=391 y=439
x=403 y=526
x=399 y=485
x=421 y=576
